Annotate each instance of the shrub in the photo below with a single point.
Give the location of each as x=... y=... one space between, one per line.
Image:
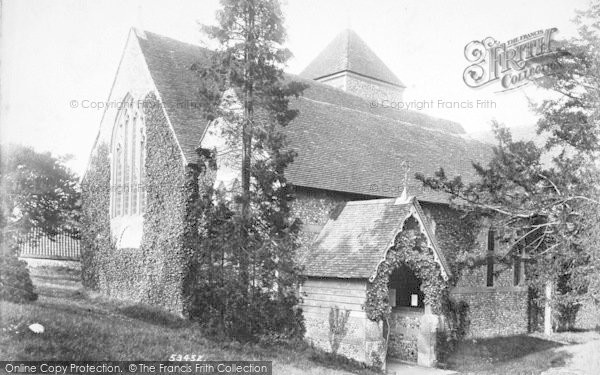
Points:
x=15 y=282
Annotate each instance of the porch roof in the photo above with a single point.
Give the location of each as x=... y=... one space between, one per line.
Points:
x=353 y=244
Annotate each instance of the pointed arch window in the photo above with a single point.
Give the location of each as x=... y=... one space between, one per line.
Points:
x=142 y=173
x=117 y=191
x=134 y=162
x=126 y=157
x=127 y=161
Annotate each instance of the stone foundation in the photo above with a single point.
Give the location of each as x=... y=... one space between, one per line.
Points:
x=404 y=332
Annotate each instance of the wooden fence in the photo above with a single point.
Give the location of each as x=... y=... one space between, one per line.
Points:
x=61 y=247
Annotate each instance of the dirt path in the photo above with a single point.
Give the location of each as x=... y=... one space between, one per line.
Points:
x=584 y=359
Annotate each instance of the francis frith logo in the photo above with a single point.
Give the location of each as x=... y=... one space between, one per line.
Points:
x=513 y=63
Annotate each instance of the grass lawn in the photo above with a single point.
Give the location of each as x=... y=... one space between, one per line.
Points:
x=84 y=327
x=79 y=327
x=529 y=354
x=506 y=355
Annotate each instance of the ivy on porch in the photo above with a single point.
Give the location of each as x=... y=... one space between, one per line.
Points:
x=410 y=248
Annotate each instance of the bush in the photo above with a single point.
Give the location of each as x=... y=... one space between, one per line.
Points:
x=15 y=282
x=457 y=327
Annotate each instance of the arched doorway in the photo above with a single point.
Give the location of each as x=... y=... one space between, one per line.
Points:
x=408 y=330
x=407 y=301
x=405 y=289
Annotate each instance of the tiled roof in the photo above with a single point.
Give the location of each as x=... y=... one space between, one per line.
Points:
x=169 y=62
x=353 y=244
x=343 y=144
x=348 y=52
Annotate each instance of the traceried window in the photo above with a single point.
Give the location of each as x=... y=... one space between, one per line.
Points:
x=117 y=191
x=126 y=156
x=127 y=161
x=142 y=175
x=134 y=171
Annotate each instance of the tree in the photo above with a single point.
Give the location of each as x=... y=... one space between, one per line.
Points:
x=249 y=242
x=550 y=210
x=38 y=191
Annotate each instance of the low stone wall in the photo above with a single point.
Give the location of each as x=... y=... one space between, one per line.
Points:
x=404 y=332
x=496 y=311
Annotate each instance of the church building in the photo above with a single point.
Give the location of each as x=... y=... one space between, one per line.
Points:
x=355 y=195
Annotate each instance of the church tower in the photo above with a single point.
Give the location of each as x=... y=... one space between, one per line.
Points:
x=347 y=63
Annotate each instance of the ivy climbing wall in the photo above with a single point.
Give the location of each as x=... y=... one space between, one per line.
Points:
x=96 y=242
x=490 y=311
x=155 y=272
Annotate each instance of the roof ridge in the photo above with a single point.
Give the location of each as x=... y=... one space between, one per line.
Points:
x=370 y=201
x=323 y=113
x=137 y=31
x=324 y=86
x=347 y=48
x=161 y=36
x=387 y=118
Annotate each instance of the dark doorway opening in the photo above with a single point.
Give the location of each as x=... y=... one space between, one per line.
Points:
x=405 y=289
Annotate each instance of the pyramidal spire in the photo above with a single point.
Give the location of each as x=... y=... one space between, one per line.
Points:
x=349 y=64
x=348 y=52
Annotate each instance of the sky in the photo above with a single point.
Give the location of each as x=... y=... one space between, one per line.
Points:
x=54 y=52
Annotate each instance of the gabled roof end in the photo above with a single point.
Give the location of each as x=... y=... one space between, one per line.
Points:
x=139 y=33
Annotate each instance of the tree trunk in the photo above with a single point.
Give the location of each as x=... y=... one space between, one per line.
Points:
x=247 y=125
x=249 y=56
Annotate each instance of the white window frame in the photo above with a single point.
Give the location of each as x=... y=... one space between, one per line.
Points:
x=128 y=193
